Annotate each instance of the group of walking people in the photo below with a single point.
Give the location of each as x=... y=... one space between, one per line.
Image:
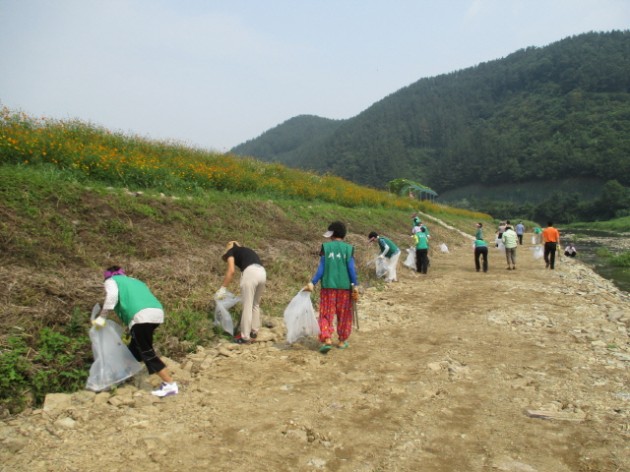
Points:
x=510 y=238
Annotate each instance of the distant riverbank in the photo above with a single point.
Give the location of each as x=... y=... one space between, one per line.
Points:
x=588 y=242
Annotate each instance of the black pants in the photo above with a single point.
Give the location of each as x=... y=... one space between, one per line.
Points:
x=141 y=346
x=422 y=260
x=550 y=254
x=483 y=252
x=520 y=239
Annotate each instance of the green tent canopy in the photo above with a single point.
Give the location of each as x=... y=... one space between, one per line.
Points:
x=405 y=187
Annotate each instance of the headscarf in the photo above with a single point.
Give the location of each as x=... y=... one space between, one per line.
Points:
x=113 y=271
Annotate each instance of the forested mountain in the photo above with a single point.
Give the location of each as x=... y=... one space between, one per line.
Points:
x=279 y=143
x=539 y=114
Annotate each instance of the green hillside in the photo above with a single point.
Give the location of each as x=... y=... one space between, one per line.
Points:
x=540 y=114
x=279 y=143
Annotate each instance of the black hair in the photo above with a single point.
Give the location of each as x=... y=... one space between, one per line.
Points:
x=338 y=229
x=373 y=234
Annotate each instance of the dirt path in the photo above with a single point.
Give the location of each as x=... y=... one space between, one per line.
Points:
x=520 y=371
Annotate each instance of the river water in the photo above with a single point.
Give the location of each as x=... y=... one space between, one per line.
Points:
x=587 y=242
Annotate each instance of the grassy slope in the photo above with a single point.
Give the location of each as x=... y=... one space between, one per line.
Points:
x=60 y=226
x=57 y=234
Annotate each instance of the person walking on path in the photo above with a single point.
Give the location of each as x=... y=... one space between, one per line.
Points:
x=481 y=251
x=551 y=238
x=421 y=239
x=253 y=281
x=390 y=253
x=510 y=241
x=339 y=288
x=499 y=233
x=520 y=230
x=537 y=235
x=142 y=313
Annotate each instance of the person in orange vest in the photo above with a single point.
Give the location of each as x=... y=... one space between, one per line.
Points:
x=551 y=238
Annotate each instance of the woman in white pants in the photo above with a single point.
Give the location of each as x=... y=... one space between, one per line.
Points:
x=253 y=280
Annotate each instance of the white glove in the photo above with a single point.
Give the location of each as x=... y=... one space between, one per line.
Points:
x=99 y=322
x=221 y=293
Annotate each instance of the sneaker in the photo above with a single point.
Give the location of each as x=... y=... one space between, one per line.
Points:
x=241 y=340
x=166 y=390
x=253 y=335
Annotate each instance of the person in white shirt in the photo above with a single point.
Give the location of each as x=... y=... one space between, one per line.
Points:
x=142 y=313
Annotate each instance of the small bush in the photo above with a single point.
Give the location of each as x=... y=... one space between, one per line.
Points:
x=14 y=374
x=55 y=363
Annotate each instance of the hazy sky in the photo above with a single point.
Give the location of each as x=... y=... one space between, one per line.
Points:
x=215 y=73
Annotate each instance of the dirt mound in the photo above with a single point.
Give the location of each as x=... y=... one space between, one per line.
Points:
x=523 y=370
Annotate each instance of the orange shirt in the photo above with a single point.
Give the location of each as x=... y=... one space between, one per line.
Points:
x=551 y=235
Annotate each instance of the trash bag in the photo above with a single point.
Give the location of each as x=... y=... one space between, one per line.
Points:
x=538 y=252
x=222 y=315
x=444 y=248
x=299 y=317
x=113 y=361
x=534 y=239
x=410 y=261
x=381 y=267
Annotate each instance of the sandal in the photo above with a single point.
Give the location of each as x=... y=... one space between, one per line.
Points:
x=324 y=348
x=343 y=345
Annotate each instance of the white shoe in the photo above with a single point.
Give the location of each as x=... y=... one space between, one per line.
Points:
x=166 y=389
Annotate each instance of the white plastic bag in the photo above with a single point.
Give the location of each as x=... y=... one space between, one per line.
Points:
x=444 y=248
x=539 y=252
x=222 y=315
x=381 y=267
x=113 y=361
x=410 y=261
x=299 y=317
x=534 y=238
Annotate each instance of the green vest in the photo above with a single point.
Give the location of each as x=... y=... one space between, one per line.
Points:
x=337 y=256
x=480 y=243
x=422 y=241
x=393 y=249
x=133 y=296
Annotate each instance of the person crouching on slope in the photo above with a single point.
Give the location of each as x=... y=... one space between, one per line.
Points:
x=137 y=308
x=390 y=253
x=339 y=289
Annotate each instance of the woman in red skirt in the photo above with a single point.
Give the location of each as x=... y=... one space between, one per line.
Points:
x=339 y=287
